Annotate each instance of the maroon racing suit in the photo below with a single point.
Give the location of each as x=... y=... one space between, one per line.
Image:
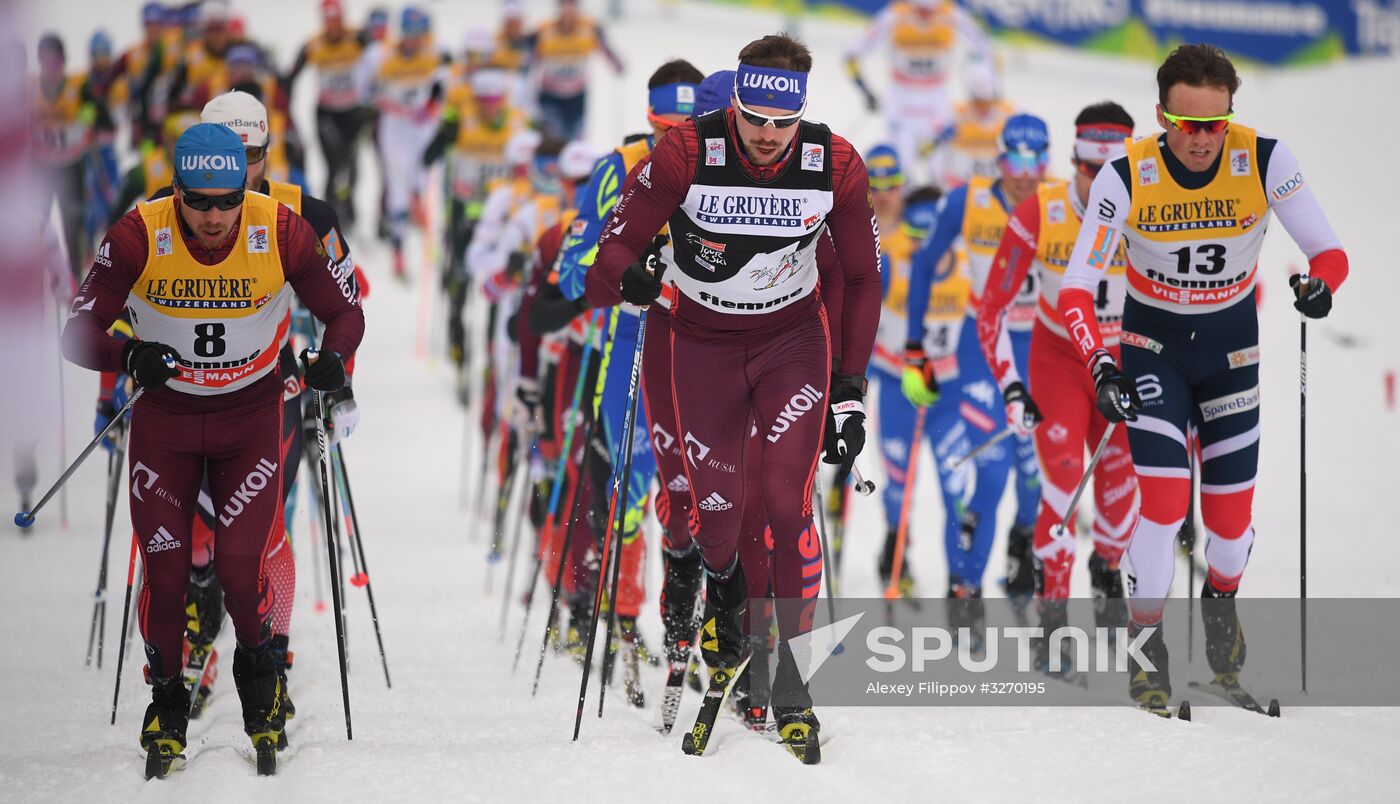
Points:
x=750 y=343
x=182 y=430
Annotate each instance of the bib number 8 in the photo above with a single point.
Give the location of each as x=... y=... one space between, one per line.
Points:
x=209 y=339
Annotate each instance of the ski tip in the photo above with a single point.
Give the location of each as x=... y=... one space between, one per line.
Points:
x=24 y=519
x=1183 y=712
x=1274 y=708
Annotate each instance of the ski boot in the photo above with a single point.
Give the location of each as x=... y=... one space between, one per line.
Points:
x=1225 y=646
x=722 y=632
x=580 y=615
x=679 y=589
x=1151 y=689
x=631 y=664
x=204 y=616
x=1110 y=607
x=753 y=691
x=1020 y=567
x=906 y=581
x=164 y=726
x=1054 y=615
x=966 y=610
x=257 y=675
x=799 y=733
x=284 y=663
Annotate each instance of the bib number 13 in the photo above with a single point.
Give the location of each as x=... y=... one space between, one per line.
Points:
x=1211 y=258
x=209 y=339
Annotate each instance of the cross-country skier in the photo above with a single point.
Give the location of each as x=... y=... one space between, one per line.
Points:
x=559 y=63
x=747 y=192
x=1192 y=204
x=1063 y=416
x=922 y=36
x=977 y=213
x=970 y=145
x=334 y=53
x=205 y=349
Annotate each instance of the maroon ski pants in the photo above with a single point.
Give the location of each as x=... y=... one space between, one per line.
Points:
x=169 y=453
x=725 y=390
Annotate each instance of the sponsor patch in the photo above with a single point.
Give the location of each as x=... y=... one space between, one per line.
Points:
x=1147 y=172
x=644 y=175
x=1290 y=186
x=1244 y=357
x=813 y=156
x=578 y=228
x=1229 y=405
x=165 y=244
x=1239 y=162
x=714 y=502
x=257 y=240
x=714 y=151
x=104 y=254
x=161 y=541
x=1140 y=341
x=1055 y=212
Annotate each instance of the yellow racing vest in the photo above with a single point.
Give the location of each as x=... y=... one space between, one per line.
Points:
x=922 y=48
x=947 y=303
x=335 y=69
x=1059 y=228
x=227 y=321
x=1195 y=251
x=562 y=56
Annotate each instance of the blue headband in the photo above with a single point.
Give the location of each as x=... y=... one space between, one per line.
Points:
x=672 y=99
x=209 y=155
x=769 y=86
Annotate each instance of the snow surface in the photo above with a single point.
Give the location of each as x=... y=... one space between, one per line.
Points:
x=459 y=726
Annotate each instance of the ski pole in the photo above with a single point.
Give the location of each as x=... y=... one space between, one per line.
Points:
x=526 y=492
x=621 y=487
x=481 y=476
x=1303 y=491
x=126 y=614
x=826 y=551
x=560 y=474
x=1063 y=528
x=901 y=533
x=324 y=464
x=62 y=425
x=98 y=628
x=510 y=481
x=26 y=518
x=563 y=561
x=863 y=486
x=357 y=546
x=1188 y=540
x=951 y=463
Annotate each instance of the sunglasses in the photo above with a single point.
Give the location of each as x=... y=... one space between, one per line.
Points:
x=1021 y=164
x=255 y=154
x=776 y=121
x=1090 y=169
x=1198 y=125
x=203 y=203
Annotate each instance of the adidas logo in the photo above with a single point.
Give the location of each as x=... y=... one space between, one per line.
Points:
x=714 y=502
x=645 y=176
x=162 y=541
x=678 y=484
x=104 y=254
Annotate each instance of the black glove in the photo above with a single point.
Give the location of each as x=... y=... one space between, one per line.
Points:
x=1118 y=397
x=1314 y=300
x=845 y=423
x=326 y=373
x=639 y=285
x=528 y=392
x=515 y=264
x=149 y=363
x=1022 y=414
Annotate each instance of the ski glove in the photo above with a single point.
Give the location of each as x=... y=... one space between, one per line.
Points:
x=1022 y=414
x=1118 y=397
x=641 y=282
x=325 y=373
x=845 y=423
x=640 y=285
x=919 y=385
x=527 y=393
x=1314 y=299
x=149 y=363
